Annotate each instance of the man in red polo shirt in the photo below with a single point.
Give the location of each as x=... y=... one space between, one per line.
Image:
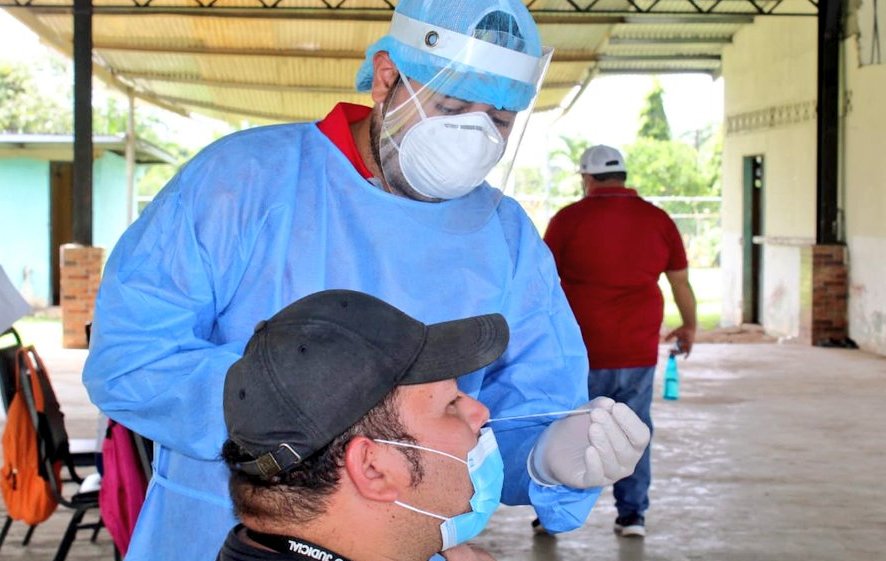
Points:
x=610 y=249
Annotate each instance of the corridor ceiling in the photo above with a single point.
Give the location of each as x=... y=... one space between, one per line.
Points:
x=292 y=60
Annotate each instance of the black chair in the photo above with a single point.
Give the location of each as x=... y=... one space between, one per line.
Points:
x=53 y=447
x=11 y=343
x=82 y=450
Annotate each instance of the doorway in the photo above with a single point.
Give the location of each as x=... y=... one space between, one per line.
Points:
x=61 y=211
x=752 y=231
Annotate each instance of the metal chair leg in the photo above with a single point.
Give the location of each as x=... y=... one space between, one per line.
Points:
x=70 y=534
x=28 y=535
x=98 y=526
x=3 y=532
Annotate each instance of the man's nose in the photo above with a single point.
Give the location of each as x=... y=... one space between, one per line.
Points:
x=477 y=413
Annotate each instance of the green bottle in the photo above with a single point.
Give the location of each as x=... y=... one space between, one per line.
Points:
x=672 y=378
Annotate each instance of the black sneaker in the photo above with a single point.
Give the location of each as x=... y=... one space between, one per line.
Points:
x=631 y=525
x=538 y=529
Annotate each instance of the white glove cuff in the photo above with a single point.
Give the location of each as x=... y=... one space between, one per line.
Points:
x=536 y=474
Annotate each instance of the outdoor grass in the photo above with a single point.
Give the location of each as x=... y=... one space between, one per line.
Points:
x=707 y=285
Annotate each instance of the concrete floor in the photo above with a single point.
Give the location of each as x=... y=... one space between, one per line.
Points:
x=773 y=452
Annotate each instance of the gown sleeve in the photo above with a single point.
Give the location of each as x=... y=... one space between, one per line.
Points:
x=157 y=363
x=545 y=369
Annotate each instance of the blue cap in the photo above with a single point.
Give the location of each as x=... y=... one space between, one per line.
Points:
x=426 y=36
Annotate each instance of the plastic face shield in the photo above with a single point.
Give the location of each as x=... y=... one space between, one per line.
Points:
x=459 y=110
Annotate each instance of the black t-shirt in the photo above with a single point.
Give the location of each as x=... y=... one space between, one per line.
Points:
x=284 y=548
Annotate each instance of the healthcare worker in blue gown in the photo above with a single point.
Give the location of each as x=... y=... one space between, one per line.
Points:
x=389 y=200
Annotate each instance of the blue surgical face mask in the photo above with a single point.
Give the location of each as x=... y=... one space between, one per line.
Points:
x=486 y=470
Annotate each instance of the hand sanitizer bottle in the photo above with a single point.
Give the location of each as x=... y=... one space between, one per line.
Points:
x=672 y=376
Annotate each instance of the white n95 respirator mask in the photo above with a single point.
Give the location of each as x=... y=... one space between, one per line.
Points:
x=443 y=156
x=446 y=157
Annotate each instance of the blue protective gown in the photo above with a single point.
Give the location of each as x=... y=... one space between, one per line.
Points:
x=264 y=217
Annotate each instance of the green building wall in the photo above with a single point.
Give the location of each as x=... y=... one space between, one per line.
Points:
x=24 y=226
x=25 y=218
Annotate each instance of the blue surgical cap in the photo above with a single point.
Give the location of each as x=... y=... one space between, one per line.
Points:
x=505 y=23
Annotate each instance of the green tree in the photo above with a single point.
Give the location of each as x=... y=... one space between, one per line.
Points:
x=38 y=100
x=658 y=168
x=711 y=153
x=653 y=119
x=563 y=165
x=664 y=167
x=23 y=109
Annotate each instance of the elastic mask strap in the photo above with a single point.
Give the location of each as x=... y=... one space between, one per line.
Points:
x=415 y=101
x=420 y=511
x=413 y=97
x=568 y=413
x=417 y=447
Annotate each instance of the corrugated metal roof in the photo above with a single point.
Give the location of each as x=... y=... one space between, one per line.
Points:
x=295 y=60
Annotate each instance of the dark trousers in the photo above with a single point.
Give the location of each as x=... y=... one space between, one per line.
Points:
x=632 y=386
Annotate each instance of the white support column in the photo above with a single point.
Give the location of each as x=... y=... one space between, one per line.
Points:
x=130 y=160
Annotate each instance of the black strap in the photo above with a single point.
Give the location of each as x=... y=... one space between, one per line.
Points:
x=294 y=548
x=281 y=460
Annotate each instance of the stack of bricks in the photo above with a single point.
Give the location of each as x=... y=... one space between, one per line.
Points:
x=825 y=311
x=81 y=269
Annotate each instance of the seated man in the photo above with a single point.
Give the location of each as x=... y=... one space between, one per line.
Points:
x=349 y=438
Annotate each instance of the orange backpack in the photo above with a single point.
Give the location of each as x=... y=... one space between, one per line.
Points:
x=23 y=480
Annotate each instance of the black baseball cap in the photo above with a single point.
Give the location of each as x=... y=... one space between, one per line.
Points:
x=319 y=365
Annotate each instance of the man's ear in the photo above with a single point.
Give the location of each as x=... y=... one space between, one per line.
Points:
x=375 y=470
x=384 y=76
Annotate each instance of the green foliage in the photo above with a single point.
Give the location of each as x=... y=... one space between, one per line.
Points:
x=671 y=168
x=664 y=167
x=653 y=120
x=23 y=109
x=528 y=180
x=112 y=119
x=711 y=153
x=38 y=100
x=563 y=164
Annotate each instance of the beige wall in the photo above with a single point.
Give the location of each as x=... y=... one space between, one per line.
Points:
x=768 y=63
x=770 y=93
x=769 y=73
x=864 y=195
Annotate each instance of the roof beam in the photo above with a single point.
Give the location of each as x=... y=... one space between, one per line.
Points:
x=102 y=72
x=265 y=86
x=658 y=70
x=657 y=58
x=674 y=19
x=312 y=14
x=263 y=8
x=283 y=53
x=670 y=41
x=230 y=51
x=364 y=16
x=231 y=110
